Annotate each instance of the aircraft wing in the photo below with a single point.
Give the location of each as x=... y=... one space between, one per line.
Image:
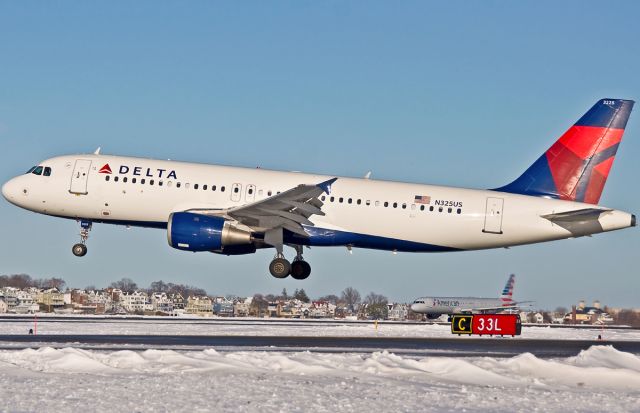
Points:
x=289 y=210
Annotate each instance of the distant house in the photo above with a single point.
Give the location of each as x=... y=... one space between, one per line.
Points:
x=223 y=307
x=178 y=301
x=135 y=302
x=588 y=315
x=241 y=308
x=3 y=307
x=161 y=303
x=50 y=299
x=398 y=312
x=202 y=306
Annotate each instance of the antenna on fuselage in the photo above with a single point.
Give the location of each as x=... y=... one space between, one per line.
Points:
x=97 y=151
x=367 y=175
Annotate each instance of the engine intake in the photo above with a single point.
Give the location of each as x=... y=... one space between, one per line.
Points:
x=196 y=232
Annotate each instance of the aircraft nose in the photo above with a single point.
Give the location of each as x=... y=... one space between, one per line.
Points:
x=10 y=190
x=6 y=190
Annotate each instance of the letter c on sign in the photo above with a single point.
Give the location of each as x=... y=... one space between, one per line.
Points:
x=460 y=321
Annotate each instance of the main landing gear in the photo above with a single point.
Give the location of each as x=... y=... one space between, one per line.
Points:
x=80 y=249
x=299 y=269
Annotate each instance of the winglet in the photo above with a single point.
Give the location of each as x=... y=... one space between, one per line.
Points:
x=326 y=185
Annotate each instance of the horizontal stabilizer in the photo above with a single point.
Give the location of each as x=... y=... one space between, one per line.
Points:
x=579 y=222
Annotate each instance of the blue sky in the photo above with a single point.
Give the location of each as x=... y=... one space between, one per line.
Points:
x=456 y=93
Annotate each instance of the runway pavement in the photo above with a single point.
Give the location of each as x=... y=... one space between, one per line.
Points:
x=454 y=346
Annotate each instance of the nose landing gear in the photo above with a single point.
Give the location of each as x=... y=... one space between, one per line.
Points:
x=80 y=249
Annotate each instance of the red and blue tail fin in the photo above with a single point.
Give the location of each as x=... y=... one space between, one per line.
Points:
x=507 y=291
x=576 y=167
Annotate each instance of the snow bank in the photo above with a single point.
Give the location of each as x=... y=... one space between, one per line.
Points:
x=597 y=367
x=68 y=379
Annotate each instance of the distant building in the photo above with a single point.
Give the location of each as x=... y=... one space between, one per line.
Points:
x=582 y=314
x=202 y=306
x=134 y=302
x=241 y=308
x=3 y=307
x=50 y=299
x=398 y=312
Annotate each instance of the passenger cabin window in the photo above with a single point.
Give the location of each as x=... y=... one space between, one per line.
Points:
x=151 y=182
x=106 y=178
x=115 y=179
x=222 y=189
x=142 y=181
x=124 y=179
x=204 y=187
x=236 y=190
x=195 y=186
x=134 y=180
x=178 y=184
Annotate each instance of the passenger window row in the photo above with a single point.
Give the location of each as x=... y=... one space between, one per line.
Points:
x=143 y=181
x=386 y=204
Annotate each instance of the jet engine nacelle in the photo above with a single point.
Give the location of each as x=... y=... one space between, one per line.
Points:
x=433 y=316
x=196 y=232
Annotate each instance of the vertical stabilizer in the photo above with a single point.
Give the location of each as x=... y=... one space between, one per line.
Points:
x=576 y=167
x=507 y=291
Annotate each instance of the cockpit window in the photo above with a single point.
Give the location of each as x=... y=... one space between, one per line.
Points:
x=47 y=171
x=37 y=170
x=30 y=170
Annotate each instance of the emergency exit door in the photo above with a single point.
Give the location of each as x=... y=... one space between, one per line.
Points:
x=493 y=216
x=80 y=177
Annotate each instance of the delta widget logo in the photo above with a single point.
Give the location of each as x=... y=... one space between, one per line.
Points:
x=106 y=169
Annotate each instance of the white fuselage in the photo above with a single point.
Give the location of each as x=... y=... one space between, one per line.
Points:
x=456 y=305
x=358 y=212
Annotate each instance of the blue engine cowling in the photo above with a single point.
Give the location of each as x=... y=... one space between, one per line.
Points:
x=196 y=232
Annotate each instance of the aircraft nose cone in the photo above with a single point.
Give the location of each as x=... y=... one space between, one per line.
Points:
x=6 y=190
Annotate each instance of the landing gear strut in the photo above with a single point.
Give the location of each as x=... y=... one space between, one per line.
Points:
x=80 y=249
x=279 y=266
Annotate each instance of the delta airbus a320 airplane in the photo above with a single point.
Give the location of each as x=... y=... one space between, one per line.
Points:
x=234 y=211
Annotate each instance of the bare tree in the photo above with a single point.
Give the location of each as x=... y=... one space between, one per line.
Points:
x=351 y=297
x=331 y=298
x=127 y=285
x=376 y=305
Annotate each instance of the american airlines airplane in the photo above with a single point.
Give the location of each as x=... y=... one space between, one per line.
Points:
x=233 y=211
x=434 y=307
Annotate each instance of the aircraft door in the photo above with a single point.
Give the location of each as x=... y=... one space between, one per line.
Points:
x=250 y=196
x=236 y=192
x=493 y=216
x=80 y=177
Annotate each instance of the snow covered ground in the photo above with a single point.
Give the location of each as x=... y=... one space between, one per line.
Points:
x=168 y=326
x=67 y=380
